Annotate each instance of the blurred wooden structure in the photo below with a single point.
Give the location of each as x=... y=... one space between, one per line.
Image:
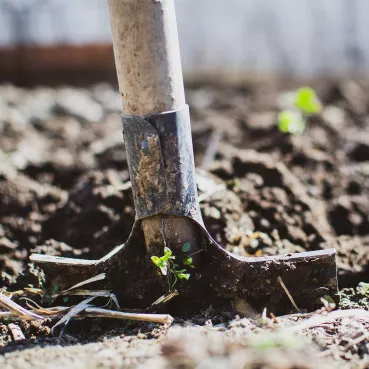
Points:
x=29 y=65
x=67 y=41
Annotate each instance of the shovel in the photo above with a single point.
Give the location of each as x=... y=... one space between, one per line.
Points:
x=157 y=134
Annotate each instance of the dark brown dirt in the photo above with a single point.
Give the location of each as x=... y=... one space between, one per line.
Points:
x=63 y=191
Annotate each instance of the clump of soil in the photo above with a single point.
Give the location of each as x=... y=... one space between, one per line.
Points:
x=355 y=297
x=64 y=190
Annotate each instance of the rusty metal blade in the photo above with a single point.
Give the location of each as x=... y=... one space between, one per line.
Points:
x=131 y=275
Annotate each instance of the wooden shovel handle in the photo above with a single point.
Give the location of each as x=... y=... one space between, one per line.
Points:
x=147 y=56
x=148 y=64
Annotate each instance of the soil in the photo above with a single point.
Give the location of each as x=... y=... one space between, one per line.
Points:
x=64 y=191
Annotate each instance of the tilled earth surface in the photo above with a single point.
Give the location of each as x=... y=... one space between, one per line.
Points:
x=64 y=190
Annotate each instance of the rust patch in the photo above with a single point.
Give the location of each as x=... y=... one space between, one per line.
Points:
x=147 y=179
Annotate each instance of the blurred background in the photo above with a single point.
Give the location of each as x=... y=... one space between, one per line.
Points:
x=54 y=41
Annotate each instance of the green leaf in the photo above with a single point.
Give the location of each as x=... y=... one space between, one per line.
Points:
x=186 y=247
x=183 y=276
x=161 y=264
x=155 y=260
x=180 y=271
x=307 y=101
x=65 y=299
x=167 y=254
x=188 y=261
x=290 y=121
x=164 y=269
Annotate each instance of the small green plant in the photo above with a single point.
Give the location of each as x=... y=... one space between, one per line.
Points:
x=189 y=262
x=186 y=247
x=305 y=103
x=167 y=265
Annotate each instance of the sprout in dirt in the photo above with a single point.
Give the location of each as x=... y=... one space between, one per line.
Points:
x=167 y=265
x=305 y=103
x=188 y=261
x=163 y=262
x=290 y=121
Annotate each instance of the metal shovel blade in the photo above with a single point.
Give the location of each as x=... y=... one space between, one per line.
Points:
x=163 y=142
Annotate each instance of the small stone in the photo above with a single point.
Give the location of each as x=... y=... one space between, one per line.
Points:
x=254 y=244
x=16 y=332
x=265 y=223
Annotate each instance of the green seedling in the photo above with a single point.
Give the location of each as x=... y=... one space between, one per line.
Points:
x=291 y=121
x=188 y=262
x=163 y=262
x=167 y=265
x=305 y=103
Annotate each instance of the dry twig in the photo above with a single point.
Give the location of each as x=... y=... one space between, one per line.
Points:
x=288 y=294
x=8 y=304
x=75 y=310
x=151 y=318
x=165 y=298
x=96 y=278
x=328 y=318
x=91 y=312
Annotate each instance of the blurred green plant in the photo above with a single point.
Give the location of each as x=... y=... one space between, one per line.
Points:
x=291 y=121
x=305 y=103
